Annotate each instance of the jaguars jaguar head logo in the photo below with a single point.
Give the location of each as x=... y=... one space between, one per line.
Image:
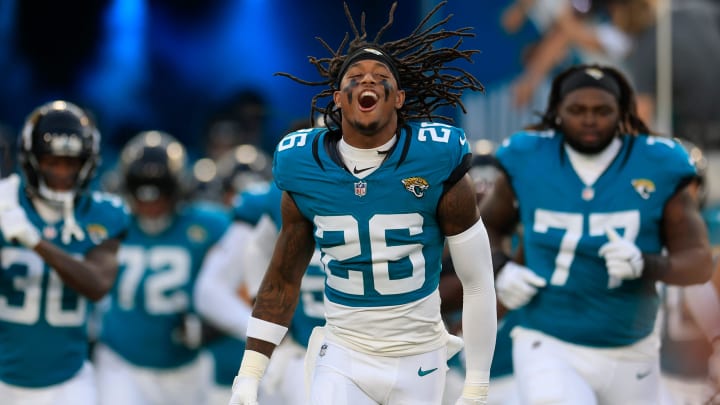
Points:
x=644 y=187
x=416 y=185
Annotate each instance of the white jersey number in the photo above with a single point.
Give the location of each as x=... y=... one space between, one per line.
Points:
x=573 y=224
x=311 y=290
x=381 y=253
x=168 y=270
x=30 y=284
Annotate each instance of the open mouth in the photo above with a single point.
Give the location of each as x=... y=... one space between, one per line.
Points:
x=367 y=100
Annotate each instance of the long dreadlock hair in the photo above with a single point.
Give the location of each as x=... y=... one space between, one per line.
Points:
x=629 y=121
x=428 y=84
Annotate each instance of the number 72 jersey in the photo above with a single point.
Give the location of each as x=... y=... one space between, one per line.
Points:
x=564 y=225
x=380 y=242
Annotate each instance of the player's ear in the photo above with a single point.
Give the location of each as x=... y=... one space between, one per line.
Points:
x=399 y=99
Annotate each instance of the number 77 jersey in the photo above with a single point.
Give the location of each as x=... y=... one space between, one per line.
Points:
x=564 y=225
x=380 y=242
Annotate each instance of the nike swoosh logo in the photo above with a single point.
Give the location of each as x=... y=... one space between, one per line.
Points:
x=640 y=376
x=423 y=373
x=463 y=140
x=356 y=171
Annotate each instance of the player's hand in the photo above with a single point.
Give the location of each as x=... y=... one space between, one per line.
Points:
x=9 y=192
x=623 y=259
x=16 y=226
x=516 y=285
x=244 y=390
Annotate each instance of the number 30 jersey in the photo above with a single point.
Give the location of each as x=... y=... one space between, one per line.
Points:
x=43 y=322
x=380 y=241
x=564 y=224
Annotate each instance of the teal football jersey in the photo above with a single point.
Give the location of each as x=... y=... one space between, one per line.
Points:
x=379 y=238
x=251 y=204
x=154 y=287
x=43 y=323
x=227 y=352
x=565 y=222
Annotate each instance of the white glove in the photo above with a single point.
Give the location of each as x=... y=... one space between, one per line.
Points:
x=246 y=383
x=9 y=192
x=623 y=259
x=15 y=225
x=516 y=285
x=244 y=390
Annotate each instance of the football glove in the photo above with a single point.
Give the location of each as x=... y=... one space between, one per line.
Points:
x=9 y=192
x=623 y=259
x=16 y=226
x=516 y=285
x=244 y=390
x=247 y=382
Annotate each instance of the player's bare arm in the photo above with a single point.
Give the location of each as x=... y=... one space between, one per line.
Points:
x=278 y=295
x=689 y=259
x=500 y=215
x=457 y=210
x=92 y=276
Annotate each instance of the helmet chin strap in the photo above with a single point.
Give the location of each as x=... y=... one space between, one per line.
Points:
x=66 y=201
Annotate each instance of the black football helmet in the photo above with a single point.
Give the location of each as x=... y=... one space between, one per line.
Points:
x=58 y=128
x=153 y=164
x=243 y=166
x=234 y=171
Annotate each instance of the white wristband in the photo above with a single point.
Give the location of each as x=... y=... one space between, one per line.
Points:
x=267 y=331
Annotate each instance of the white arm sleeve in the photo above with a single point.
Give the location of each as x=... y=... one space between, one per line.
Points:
x=470 y=252
x=215 y=294
x=259 y=252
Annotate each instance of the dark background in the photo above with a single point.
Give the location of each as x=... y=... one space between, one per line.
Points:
x=170 y=64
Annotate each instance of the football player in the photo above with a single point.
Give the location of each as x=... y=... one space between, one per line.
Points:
x=59 y=249
x=600 y=200
x=149 y=346
x=378 y=192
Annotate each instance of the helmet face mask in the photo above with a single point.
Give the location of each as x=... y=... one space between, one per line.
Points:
x=58 y=130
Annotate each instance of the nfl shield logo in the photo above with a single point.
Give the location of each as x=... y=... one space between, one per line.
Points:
x=360 y=188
